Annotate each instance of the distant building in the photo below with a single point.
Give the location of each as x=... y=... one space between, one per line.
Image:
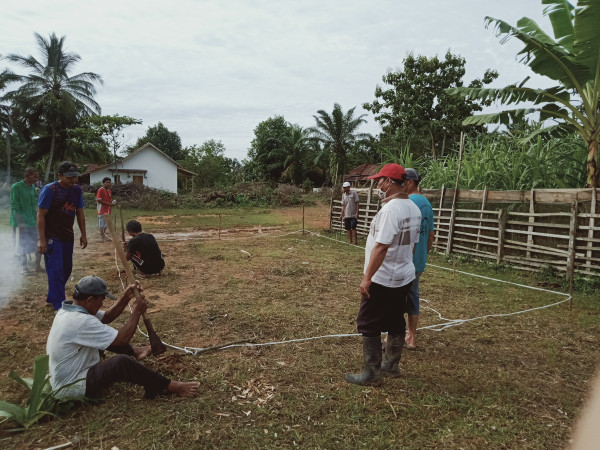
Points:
x=147 y=166
x=359 y=176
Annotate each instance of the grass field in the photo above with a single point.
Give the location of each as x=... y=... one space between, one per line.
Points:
x=502 y=382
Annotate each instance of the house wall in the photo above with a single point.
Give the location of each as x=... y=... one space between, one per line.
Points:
x=161 y=172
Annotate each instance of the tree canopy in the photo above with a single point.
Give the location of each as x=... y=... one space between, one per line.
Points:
x=210 y=163
x=167 y=141
x=50 y=98
x=339 y=135
x=416 y=107
x=571 y=59
x=100 y=136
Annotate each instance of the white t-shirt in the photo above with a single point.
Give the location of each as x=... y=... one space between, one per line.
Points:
x=73 y=344
x=397 y=223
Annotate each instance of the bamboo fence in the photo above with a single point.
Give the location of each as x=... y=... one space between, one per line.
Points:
x=560 y=229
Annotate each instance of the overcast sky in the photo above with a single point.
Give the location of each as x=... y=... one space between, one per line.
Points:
x=215 y=69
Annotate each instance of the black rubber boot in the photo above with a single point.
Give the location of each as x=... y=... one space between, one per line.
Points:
x=393 y=353
x=371 y=375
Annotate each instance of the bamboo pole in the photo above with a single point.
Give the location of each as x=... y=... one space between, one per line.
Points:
x=591 y=224
x=501 y=234
x=572 y=238
x=531 y=220
x=439 y=217
x=453 y=212
x=302 y=219
x=483 y=201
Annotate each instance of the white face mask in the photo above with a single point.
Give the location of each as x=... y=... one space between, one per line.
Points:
x=383 y=194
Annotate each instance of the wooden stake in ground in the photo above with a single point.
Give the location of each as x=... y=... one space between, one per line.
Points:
x=122 y=224
x=157 y=346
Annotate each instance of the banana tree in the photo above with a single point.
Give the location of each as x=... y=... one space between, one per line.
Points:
x=571 y=58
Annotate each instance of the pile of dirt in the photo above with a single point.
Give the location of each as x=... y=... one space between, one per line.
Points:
x=242 y=194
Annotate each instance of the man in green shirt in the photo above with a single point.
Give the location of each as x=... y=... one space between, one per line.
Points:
x=23 y=210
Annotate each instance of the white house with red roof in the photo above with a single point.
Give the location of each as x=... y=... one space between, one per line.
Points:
x=147 y=165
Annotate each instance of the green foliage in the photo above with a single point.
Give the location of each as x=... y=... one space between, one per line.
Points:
x=571 y=58
x=41 y=401
x=262 y=162
x=214 y=169
x=166 y=141
x=100 y=135
x=417 y=109
x=240 y=194
x=50 y=99
x=338 y=134
x=503 y=163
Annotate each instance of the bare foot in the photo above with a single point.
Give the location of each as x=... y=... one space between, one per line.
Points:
x=140 y=353
x=184 y=388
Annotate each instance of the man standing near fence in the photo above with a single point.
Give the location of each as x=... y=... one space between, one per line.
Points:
x=349 y=214
x=388 y=272
x=422 y=248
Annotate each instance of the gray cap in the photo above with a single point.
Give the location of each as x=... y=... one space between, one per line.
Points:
x=92 y=285
x=68 y=169
x=412 y=174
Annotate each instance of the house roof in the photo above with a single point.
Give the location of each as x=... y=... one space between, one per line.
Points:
x=362 y=172
x=143 y=147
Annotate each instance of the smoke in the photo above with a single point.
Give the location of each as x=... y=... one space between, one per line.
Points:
x=11 y=273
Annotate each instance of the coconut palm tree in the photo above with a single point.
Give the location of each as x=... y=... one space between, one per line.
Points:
x=571 y=59
x=339 y=134
x=49 y=94
x=6 y=118
x=290 y=153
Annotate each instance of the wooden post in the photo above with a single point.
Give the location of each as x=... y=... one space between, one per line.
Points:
x=302 y=219
x=331 y=211
x=530 y=241
x=501 y=233
x=439 y=217
x=591 y=229
x=483 y=203
x=370 y=193
x=219 y=226
x=453 y=212
x=572 y=239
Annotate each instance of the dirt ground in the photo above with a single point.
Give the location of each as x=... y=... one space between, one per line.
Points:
x=503 y=382
x=99 y=258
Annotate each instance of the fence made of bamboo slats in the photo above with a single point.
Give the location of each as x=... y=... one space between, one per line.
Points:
x=567 y=238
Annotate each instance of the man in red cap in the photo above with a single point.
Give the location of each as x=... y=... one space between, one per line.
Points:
x=388 y=272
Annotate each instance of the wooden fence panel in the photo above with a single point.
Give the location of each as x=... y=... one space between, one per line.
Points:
x=567 y=240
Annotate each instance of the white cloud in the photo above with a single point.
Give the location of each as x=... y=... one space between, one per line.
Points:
x=215 y=69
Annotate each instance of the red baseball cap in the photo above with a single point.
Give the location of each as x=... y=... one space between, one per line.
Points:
x=393 y=170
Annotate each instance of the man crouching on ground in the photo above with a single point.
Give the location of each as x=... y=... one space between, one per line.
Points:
x=80 y=331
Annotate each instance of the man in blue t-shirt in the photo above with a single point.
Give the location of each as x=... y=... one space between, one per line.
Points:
x=422 y=248
x=58 y=205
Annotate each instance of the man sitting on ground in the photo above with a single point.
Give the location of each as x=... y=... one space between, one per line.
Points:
x=143 y=250
x=80 y=331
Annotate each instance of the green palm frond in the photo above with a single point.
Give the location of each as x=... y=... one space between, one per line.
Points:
x=560 y=13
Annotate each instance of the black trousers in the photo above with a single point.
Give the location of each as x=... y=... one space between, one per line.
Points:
x=384 y=311
x=124 y=368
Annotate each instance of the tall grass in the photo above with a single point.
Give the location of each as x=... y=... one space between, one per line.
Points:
x=503 y=163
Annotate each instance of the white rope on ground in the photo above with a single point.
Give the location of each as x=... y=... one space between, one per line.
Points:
x=435 y=327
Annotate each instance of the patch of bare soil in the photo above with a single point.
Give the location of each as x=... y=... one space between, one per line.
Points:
x=212 y=233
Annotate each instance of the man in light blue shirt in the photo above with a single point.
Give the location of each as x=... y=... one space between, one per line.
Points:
x=422 y=248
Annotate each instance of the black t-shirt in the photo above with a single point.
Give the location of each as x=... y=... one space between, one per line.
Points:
x=145 y=254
